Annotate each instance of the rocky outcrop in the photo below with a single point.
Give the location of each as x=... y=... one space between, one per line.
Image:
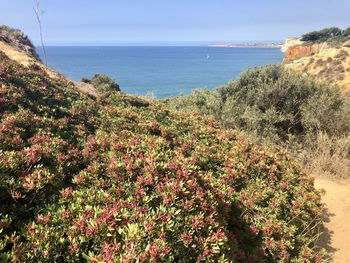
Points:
x=303 y=50
x=18 y=40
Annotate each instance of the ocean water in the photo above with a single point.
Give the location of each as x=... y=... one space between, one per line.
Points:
x=160 y=71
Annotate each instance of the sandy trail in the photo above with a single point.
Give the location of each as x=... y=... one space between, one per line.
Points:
x=337 y=218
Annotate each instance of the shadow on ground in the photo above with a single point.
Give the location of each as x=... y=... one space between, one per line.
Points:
x=325 y=238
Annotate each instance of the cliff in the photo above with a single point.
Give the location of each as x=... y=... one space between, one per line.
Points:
x=327 y=62
x=303 y=50
x=290 y=42
x=18 y=40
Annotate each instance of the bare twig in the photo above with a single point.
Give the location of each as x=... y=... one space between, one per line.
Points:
x=38 y=13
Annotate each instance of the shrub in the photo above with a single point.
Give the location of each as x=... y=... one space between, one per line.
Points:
x=329 y=59
x=276 y=105
x=199 y=101
x=311 y=36
x=104 y=83
x=34 y=66
x=332 y=35
x=322 y=35
x=125 y=179
x=346 y=32
x=85 y=80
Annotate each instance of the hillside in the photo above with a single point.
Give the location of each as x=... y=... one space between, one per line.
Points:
x=274 y=105
x=326 y=61
x=18 y=41
x=120 y=178
x=17 y=47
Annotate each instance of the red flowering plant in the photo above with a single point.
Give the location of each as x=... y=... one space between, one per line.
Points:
x=124 y=179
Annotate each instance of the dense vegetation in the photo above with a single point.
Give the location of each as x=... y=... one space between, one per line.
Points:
x=276 y=105
x=326 y=34
x=346 y=32
x=102 y=83
x=122 y=179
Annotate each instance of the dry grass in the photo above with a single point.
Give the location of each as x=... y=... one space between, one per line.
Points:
x=27 y=61
x=330 y=157
x=15 y=55
x=87 y=88
x=329 y=65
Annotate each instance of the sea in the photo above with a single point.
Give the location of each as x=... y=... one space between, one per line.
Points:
x=160 y=72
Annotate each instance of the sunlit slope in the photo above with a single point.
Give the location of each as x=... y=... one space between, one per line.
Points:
x=122 y=179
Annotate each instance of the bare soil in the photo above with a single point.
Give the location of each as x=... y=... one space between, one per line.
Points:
x=336 y=236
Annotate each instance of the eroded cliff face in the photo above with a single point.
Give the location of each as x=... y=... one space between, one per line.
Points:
x=303 y=50
x=323 y=62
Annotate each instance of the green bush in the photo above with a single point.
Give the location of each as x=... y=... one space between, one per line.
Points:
x=346 y=32
x=275 y=105
x=123 y=179
x=199 y=101
x=104 y=83
x=322 y=35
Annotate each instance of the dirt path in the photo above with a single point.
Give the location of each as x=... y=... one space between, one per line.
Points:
x=337 y=218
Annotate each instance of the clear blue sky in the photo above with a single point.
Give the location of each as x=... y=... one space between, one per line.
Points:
x=114 y=21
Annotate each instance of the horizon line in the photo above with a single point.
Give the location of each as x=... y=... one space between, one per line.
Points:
x=158 y=43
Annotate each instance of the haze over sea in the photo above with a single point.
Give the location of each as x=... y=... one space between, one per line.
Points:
x=160 y=71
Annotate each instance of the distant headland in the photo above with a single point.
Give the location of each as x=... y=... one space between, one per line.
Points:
x=249 y=45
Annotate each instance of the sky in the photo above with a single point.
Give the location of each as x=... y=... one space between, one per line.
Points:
x=114 y=22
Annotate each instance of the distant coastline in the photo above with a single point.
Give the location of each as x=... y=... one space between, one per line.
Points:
x=249 y=45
